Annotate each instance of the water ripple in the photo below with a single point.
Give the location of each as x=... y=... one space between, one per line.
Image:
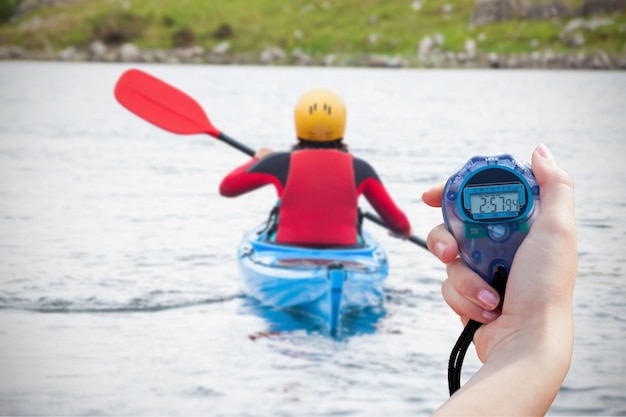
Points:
x=96 y=305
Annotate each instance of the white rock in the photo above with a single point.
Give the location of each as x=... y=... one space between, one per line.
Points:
x=425 y=45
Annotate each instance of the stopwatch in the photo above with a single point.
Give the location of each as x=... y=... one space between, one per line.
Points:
x=489 y=205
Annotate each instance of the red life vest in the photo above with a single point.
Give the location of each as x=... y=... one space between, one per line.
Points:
x=319 y=201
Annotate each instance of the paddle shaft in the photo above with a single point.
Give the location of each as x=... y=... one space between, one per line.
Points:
x=414 y=239
x=235 y=144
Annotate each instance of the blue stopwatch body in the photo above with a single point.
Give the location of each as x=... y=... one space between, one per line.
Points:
x=488 y=206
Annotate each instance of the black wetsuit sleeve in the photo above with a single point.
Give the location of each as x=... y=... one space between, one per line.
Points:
x=363 y=171
x=369 y=184
x=275 y=164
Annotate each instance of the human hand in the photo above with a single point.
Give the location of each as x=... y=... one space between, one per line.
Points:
x=261 y=152
x=533 y=333
x=542 y=276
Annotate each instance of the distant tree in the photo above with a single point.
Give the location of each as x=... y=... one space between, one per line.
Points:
x=183 y=38
x=224 y=31
x=116 y=28
x=7 y=7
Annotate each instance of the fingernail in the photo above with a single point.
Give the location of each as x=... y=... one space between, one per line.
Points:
x=544 y=151
x=490 y=316
x=440 y=249
x=489 y=300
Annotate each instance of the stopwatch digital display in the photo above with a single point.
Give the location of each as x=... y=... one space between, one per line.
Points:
x=489 y=205
x=493 y=202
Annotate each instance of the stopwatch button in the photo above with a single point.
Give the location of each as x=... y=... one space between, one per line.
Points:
x=477 y=256
x=498 y=232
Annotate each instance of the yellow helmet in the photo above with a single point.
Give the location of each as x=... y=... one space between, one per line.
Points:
x=320 y=116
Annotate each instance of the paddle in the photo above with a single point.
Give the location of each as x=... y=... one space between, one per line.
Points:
x=173 y=110
x=167 y=107
x=413 y=239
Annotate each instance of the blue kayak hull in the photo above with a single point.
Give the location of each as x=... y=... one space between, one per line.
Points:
x=324 y=282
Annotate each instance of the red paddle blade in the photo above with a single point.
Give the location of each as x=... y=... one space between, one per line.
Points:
x=161 y=104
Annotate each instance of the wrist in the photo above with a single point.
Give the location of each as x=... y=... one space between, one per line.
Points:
x=548 y=340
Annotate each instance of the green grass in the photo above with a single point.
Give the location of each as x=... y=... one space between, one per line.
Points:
x=319 y=27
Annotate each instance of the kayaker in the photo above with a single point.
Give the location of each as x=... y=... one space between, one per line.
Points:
x=526 y=347
x=318 y=183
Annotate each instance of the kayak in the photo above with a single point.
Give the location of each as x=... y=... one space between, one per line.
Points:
x=324 y=282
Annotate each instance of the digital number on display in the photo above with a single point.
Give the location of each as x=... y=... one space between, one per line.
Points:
x=494 y=201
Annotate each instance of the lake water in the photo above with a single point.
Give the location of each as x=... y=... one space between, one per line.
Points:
x=119 y=292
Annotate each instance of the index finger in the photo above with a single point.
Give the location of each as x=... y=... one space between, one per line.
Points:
x=433 y=196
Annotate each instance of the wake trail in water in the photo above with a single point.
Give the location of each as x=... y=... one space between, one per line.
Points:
x=95 y=305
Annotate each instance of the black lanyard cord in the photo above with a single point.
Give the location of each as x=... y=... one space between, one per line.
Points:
x=458 y=354
x=467 y=335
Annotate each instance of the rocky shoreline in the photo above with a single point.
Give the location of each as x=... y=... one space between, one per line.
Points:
x=579 y=23
x=427 y=57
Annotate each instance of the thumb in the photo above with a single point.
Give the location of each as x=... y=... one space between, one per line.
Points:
x=556 y=192
x=544 y=268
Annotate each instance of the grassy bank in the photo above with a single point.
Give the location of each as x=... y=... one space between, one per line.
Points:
x=319 y=27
